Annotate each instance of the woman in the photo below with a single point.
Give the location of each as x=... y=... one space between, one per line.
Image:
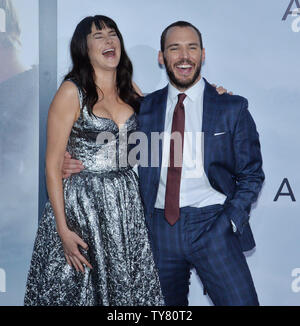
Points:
x=92 y=246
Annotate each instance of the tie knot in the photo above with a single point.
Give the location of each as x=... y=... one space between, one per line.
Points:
x=181 y=98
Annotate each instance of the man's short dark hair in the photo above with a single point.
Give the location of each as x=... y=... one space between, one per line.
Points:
x=178 y=24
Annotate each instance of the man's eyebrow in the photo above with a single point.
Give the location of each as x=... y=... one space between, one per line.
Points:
x=177 y=44
x=173 y=44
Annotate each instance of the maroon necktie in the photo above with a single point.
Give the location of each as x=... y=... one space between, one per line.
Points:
x=172 y=212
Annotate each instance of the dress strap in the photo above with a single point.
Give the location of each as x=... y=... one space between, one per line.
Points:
x=79 y=90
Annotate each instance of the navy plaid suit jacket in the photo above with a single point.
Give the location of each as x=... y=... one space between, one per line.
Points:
x=232 y=156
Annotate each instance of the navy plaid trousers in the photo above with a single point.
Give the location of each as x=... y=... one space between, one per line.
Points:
x=202 y=239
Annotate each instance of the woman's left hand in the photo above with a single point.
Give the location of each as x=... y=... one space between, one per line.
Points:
x=221 y=90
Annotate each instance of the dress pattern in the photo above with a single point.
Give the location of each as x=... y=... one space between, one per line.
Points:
x=103 y=206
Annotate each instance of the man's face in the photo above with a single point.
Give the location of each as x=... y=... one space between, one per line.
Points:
x=182 y=57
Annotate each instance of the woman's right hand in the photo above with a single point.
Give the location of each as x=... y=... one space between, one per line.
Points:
x=71 y=241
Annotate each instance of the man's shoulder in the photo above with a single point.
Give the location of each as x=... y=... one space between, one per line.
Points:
x=234 y=100
x=156 y=94
x=225 y=100
x=153 y=101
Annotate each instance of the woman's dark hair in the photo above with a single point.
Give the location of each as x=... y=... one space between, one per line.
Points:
x=82 y=71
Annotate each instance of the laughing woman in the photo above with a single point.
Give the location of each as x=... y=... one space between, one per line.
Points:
x=92 y=245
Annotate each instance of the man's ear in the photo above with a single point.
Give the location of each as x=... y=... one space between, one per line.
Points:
x=161 y=58
x=203 y=55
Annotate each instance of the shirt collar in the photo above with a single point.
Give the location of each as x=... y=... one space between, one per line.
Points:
x=192 y=93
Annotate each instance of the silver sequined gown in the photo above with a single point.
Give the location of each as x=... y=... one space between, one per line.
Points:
x=103 y=207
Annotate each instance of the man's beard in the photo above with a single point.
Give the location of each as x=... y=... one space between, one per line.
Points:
x=187 y=83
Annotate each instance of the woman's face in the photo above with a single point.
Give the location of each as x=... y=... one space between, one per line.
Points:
x=104 y=48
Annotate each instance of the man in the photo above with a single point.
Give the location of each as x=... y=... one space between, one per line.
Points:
x=197 y=211
x=200 y=222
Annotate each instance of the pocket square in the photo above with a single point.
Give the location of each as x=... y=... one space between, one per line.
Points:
x=219 y=133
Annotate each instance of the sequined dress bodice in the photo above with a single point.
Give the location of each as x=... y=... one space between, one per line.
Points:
x=99 y=143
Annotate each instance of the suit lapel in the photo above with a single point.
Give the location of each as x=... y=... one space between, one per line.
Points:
x=153 y=116
x=209 y=108
x=208 y=120
x=159 y=110
x=158 y=125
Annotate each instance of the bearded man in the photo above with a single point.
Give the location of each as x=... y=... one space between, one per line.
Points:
x=198 y=199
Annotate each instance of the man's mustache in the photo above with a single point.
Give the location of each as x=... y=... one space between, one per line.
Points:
x=184 y=62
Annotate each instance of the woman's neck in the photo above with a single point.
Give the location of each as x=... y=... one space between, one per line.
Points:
x=107 y=82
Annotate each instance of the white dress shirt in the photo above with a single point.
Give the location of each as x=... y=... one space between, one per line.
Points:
x=195 y=189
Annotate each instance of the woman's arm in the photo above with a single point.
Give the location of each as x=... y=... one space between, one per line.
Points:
x=61 y=117
x=63 y=113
